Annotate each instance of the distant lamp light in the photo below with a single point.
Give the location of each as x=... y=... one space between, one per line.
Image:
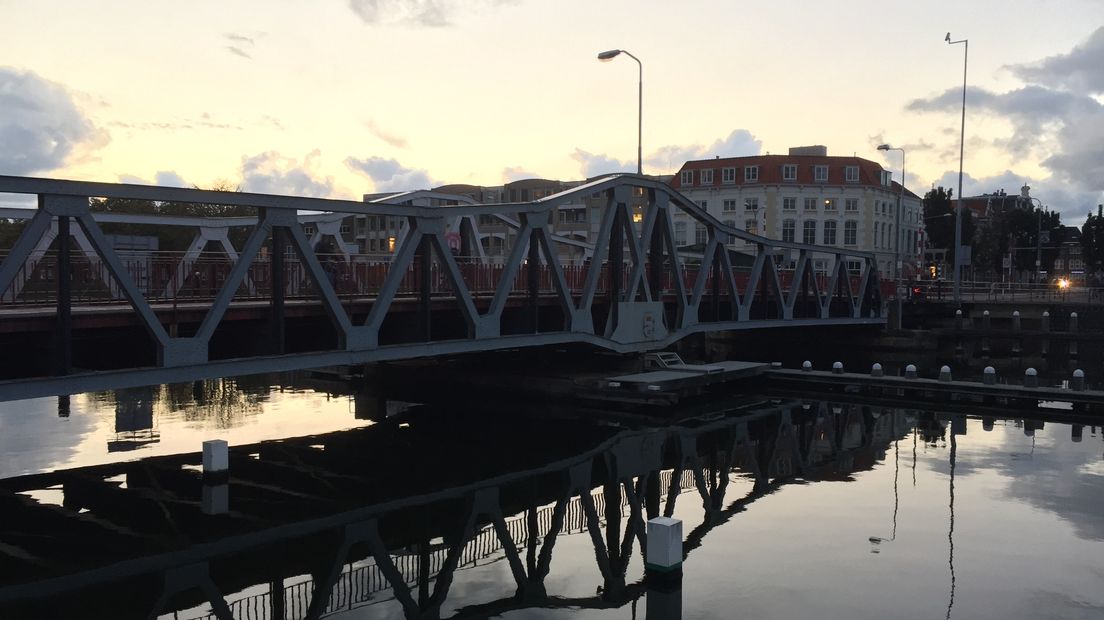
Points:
x=390 y=244
x=638 y=217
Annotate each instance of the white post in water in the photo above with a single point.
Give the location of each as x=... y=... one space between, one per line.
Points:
x=216 y=473
x=910 y=371
x=876 y=370
x=664 y=552
x=806 y=366
x=837 y=368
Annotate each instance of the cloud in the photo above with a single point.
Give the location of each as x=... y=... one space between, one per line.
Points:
x=390 y=138
x=239 y=43
x=164 y=178
x=739 y=143
x=273 y=173
x=40 y=125
x=592 y=164
x=1061 y=129
x=1081 y=70
x=388 y=175
x=431 y=13
x=516 y=173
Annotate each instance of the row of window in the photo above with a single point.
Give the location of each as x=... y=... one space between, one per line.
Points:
x=751 y=174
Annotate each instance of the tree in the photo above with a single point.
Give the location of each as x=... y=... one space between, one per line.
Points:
x=939 y=222
x=1092 y=240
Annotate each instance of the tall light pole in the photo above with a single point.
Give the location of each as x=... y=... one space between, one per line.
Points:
x=900 y=199
x=610 y=55
x=961 y=152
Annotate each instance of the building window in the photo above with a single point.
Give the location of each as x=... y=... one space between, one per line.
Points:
x=728 y=175
x=851 y=204
x=789 y=172
x=751 y=174
x=687 y=177
x=810 y=204
x=789 y=204
x=887 y=177
x=829 y=204
x=820 y=174
x=704 y=204
x=706 y=176
x=345 y=229
x=371 y=245
x=850 y=232
x=752 y=226
x=852 y=174
x=830 y=232
x=680 y=233
x=788 y=227
x=308 y=231
x=729 y=204
x=751 y=204
x=808 y=232
x=701 y=234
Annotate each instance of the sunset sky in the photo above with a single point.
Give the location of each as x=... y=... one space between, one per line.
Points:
x=342 y=97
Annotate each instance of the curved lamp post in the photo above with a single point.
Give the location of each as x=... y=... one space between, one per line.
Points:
x=610 y=55
x=961 y=152
x=900 y=199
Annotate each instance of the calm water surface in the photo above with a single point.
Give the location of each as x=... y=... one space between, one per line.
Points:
x=827 y=510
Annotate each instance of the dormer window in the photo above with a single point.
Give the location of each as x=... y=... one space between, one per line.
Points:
x=852 y=174
x=820 y=173
x=789 y=172
x=751 y=174
x=687 y=177
x=728 y=175
x=707 y=176
x=887 y=178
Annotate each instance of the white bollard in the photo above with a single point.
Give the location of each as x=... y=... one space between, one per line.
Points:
x=985 y=319
x=1031 y=378
x=1077 y=384
x=1046 y=321
x=1016 y=320
x=945 y=374
x=989 y=375
x=664 y=552
x=958 y=319
x=910 y=371
x=1073 y=321
x=876 y=370
x=806 y=365
x=216 y=458
x=837 y=368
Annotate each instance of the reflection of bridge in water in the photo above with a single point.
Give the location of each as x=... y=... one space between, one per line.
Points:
x=340 y=509
x=639 y=291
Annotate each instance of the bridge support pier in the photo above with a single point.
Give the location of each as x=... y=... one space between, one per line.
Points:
x=64 y=361
x=279 y=281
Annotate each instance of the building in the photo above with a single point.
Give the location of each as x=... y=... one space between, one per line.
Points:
x=805 y=196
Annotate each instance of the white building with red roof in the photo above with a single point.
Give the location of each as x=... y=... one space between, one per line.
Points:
x=806 y=196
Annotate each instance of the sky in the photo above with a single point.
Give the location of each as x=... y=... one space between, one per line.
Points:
x=337 y=98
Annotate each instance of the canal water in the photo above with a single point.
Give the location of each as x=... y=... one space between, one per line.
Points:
x=790 y=509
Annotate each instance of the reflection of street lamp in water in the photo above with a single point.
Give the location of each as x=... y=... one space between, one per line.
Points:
x=877 y=540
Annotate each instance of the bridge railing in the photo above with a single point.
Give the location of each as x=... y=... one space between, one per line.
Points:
x=535 y=291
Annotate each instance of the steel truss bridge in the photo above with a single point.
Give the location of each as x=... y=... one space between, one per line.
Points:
x=637 y=292
x=131 y=537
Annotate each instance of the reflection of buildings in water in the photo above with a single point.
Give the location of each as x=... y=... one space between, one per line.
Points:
x=134 y=421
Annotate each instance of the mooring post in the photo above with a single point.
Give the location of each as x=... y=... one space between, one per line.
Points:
x=216 y=475
x=663 y=568
x=1031 y=378
x=837 y=368
x=1073 y=322
x=1016 y=320
x=876 y=370
x=806 y=366
x=910 y=371
x=985 y=322
x=1077 y=383
x=989 y=376
x=945 y=374
x=958 y=320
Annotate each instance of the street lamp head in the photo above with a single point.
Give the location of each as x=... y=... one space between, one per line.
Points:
x=948 y=38
x=608 y=55
x=884 y=147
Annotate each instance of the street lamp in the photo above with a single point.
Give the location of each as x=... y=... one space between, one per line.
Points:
x=610 y=55
x=961 y=152
x=900 y=199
